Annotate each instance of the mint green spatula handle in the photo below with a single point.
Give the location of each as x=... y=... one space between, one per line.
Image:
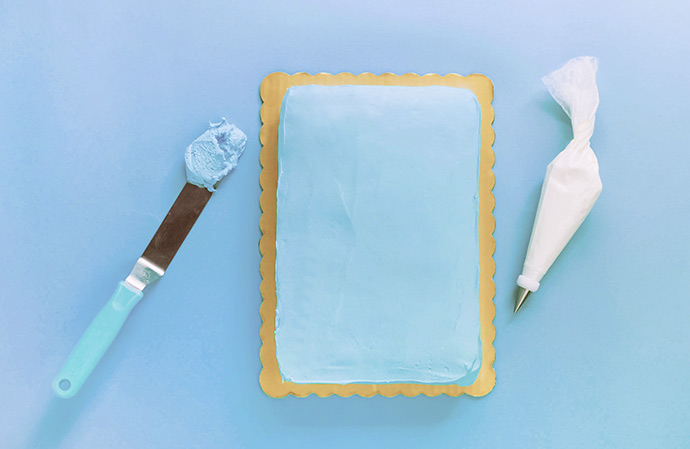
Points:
x=96 y=340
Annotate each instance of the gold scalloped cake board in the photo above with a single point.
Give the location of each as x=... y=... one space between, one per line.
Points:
x=272 y=91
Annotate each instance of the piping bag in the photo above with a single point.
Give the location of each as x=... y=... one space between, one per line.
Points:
x=572 y=183
x=208 y=159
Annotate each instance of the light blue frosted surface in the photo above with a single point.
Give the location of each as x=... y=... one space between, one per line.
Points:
x=598 y=357
x=214 y=154
x=377 y=257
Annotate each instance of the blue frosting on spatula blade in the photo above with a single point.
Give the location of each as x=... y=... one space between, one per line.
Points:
x=214 y=154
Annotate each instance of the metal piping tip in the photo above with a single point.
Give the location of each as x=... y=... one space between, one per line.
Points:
x=523 y=293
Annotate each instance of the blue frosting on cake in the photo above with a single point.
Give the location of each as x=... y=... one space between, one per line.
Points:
x=377 y=255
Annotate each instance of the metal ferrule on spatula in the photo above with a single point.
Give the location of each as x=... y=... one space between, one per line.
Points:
x=143 y=273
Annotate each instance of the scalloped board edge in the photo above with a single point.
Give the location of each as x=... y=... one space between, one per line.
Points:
x=272 y=90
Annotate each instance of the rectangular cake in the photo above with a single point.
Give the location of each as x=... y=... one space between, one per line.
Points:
x=377 y=269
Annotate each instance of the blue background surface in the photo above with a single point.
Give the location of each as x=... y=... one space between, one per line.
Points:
x=97 y=103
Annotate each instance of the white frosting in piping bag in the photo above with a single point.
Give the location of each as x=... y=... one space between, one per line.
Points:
x=572 y=183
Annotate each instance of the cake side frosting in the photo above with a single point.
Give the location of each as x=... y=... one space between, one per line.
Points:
x=377 y=269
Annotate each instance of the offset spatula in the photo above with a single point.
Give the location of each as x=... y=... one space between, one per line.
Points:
x=208 y=159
